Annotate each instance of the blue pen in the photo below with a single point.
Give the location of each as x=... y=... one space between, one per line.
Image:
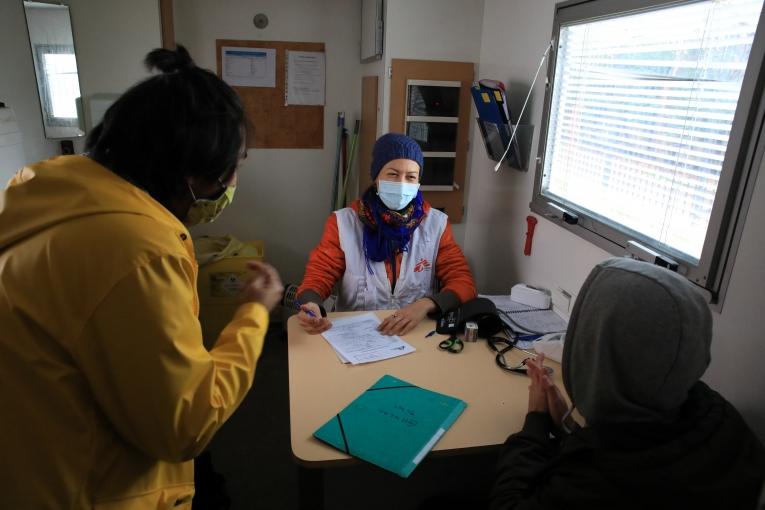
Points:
x=430 y=334
x=300 y=307
x=524 y=338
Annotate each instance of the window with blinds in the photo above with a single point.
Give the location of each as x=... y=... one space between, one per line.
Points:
x=639 y=119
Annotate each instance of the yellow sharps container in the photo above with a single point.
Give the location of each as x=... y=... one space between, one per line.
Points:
x=222 y=271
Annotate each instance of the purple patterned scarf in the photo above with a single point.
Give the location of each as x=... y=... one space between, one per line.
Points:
x=386 y=232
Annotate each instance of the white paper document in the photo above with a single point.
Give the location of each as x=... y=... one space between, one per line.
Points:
x=357 y=340
x=305 y=78
x=249 y=67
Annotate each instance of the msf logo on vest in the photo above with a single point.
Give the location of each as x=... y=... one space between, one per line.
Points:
x=422 y=265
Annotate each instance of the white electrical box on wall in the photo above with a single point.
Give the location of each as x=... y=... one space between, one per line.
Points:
x=371 y=30
x=97 y=106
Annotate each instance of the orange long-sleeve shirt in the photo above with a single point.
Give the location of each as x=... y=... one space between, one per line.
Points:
x=326 y=265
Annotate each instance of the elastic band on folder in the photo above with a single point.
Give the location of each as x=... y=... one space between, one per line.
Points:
x=342 y=432
x=393 y=387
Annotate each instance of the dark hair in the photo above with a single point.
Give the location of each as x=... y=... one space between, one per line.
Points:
x=185 y=122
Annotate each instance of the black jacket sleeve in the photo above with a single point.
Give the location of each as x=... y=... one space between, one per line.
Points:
x=523 y=459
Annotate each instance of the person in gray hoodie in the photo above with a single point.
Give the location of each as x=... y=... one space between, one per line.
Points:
x=655 y=435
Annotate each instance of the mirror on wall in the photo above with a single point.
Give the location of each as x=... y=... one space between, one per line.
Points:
x=50 y=37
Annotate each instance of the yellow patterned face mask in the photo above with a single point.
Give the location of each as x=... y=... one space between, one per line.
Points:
x=205 y=210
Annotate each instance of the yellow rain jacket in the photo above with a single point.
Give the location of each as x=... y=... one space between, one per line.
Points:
x=108 y=392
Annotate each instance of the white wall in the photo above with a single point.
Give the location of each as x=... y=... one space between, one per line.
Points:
x=111 y=38
x=515 y=34
x=283 y=195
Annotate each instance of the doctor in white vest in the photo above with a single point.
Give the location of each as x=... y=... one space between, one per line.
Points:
x=389 y=250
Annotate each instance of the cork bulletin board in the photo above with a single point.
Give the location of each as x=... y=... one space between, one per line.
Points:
x=271 y=124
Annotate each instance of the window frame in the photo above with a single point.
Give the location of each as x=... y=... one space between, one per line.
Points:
x=743 y=157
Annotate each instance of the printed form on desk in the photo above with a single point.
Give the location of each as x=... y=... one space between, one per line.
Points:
x=526 y=320
x=356 y=340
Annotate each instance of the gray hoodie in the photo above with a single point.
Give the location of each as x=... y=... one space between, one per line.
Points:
x=638 y=340
x=656 y=437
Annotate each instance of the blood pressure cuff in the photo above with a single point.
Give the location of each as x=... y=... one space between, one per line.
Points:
x=479 y=310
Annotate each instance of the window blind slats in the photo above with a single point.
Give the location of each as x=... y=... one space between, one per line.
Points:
x=653 y=122
x=639 y=135
x=661 y=152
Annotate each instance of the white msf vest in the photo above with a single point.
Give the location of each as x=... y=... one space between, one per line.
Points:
x=362 y=290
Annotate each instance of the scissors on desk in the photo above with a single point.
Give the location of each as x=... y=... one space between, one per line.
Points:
x=452 y=344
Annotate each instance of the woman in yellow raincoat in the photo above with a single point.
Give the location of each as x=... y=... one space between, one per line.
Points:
x=109 y=392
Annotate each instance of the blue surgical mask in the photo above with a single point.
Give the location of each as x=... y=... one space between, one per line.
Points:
x=396 y=195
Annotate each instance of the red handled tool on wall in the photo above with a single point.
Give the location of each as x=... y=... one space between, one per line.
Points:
x=531 y=222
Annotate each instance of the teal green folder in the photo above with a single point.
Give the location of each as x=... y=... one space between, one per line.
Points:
x=393 y=424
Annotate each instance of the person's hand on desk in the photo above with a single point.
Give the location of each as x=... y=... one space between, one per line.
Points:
x=311 y=321
x=404 y=320
x=537 y=388
x=264 y=286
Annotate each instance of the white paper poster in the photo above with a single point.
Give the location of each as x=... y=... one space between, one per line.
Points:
x=305 y=78
x=249 y=67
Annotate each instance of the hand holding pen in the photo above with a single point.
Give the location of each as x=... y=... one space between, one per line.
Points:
x=310 y=318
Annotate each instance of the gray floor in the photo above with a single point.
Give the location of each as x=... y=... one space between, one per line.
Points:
x=252 y=453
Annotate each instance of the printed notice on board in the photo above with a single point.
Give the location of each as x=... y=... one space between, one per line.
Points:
x=249 y=67
x=305 y=78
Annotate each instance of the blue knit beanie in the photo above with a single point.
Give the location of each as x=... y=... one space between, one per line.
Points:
x=394 y=146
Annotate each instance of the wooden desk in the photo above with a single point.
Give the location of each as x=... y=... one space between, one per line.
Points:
x=320 y=385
